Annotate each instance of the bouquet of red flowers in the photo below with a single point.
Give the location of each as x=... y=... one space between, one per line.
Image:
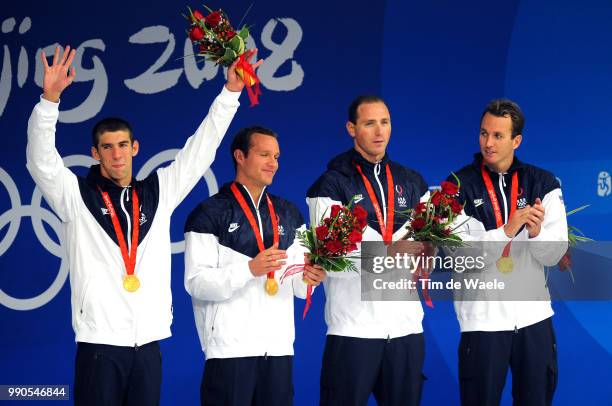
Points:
x=335 y=237
x=432 y=221
x=331 y=242
x=218 y=41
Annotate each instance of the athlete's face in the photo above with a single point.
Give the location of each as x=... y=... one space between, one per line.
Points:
x=496 y=143
x=371 y=131
x=114 y=152
x=261 y=163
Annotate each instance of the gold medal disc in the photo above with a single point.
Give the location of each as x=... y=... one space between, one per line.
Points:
x=271 y=287
x=505 y=264
x=131 y=283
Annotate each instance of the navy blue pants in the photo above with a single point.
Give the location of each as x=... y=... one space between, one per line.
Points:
x=531 y=354
x=247 y=381
x=112 y=375
x=391 y=369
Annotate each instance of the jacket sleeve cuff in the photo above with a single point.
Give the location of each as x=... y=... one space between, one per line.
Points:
x=241 y=274
x=228 y=97
x=499 y=235
x=543 y=236
x=48 y=107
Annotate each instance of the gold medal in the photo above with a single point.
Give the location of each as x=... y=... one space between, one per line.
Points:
x=505 y=264
x=271 y=286
x=131 y=283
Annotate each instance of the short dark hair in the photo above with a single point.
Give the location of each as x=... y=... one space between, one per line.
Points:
x=242 y=139
x=358 y=101
x=107 y=125
x=506 y=107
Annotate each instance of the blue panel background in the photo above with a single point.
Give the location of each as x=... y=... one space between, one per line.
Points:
x=436 y=63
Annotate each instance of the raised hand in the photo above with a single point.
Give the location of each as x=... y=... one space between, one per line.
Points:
x=517 y=220
x=536 y=218
x=56 y=77
x=234 y=82
x=269 y=260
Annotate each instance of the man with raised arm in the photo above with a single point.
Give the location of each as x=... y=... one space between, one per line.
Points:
x=117 y=238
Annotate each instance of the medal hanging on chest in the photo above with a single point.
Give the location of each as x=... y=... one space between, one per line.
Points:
x=271 y=285
x=131 y=283
x=386 y=229
x=505 y=264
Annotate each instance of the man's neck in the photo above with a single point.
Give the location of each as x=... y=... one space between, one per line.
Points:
x=501 y=167
x=119 y=182
x=253 y=189
x=370 y=158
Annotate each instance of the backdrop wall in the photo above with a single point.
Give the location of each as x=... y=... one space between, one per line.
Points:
x=436 y=63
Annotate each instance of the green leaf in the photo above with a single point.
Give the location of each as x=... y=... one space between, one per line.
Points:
x=244 y=33
x=569 y=213
x=229 y=56
x=236 y=44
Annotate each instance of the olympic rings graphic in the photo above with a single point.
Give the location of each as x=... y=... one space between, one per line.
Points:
x=39 y=214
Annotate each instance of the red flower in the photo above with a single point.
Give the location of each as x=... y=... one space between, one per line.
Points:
x=354 y=236
x=417 y=224
x=437 y=219
x=449 y=188
x=360 y=212
x=421 y=207
x=446 y=231
x=196 y=34
x=322 y=232
x=435 y=198
x=352 y=247
x=335 y=209
x=213 y=19
x=362 y=223
x=196 y=16
x=333 y=246
x=230 y=34
x=456 y=206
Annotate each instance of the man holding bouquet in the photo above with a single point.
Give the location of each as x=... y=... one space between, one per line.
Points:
x=236 y=242
x=509 y=201
x=372 y=346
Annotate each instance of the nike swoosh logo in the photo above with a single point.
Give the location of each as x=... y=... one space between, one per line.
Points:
x=233 y=228
x=358 y=200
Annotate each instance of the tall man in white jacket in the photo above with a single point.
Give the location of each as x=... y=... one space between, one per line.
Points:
x=372 y=346
x=237 y=244
x=117 y=237
x=509 y=200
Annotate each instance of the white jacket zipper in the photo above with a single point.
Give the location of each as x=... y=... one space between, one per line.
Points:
x=128 y=237
x=502 y=183
x=382 y=192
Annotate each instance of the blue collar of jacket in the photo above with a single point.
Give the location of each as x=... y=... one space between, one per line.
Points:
x=95 y=178
x=226 y=189
x=515 y=166
x=345 y=162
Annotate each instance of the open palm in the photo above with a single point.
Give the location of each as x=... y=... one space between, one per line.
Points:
x=56 y=77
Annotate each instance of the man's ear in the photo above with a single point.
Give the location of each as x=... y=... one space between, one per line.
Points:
x=516 y=141
x=350 y=127
x=135 y=147
x=94 y=154
x=239 y=156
